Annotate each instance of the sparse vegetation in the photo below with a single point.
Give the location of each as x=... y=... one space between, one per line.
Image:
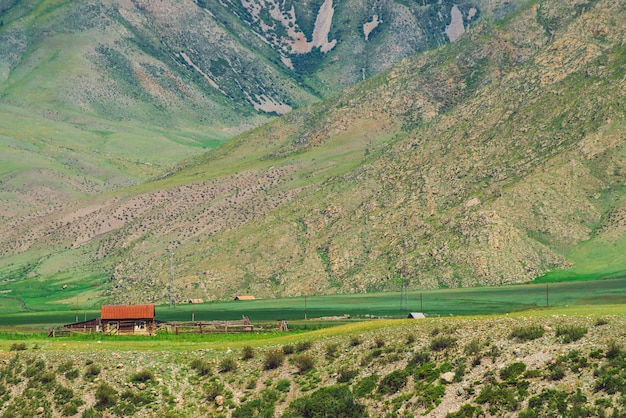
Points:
x=527 y=333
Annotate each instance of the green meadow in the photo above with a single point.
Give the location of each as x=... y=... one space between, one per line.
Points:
x=315 y=309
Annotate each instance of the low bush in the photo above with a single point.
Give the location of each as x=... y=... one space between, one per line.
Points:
x=302 y=346
x=288 y=349
x=331 y=401
x=366 y=385
x=201 y=366
x=570 y=333
x=429 y=395
x=331 y=350
x=227 y=364
x=355 y=341
x=379 y=342
x=500 y=398
x=527 y=333
x=92 y=371
x=472 y=348
x=106 y=396
x=283 y=385
x=442 y=343
x=466 y=411
x=346 y=375
x=512 y=371
x=247 y=352
x=304 y=362
x=213 y=389
x=18 y=347
x=260 y=407
x=273 y=359
x=142 y=376
x=393 y=382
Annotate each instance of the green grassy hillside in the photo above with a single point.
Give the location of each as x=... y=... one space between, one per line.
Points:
x=493 y=160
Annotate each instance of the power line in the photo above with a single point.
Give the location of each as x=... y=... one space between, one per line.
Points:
x=172 y=302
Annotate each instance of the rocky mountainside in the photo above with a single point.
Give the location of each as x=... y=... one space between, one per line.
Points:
x=99 y=95
x=492 y=160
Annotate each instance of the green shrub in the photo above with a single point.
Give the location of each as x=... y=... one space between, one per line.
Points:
x=426 y=372
x=556 y=370
x=106 y=396
x=570 y=333
x=355 y=341
x=601 y=321
x=527 y=333
x=331 y=350
x=429 y=395
x=261 y=407
x=419 y=358
x=330 y=401
x=393 y=382
x=472 y=348
x=302 y=346
x=201 y=366
x=500 y=398
x=379 y=341
x=142 y=376
x=227 y=364
x=65 y=366
x=212 y=390
x=346 y=375
x=283 y=385
x=71 y=374
x=304 y=362
x=365 y=386
x=442 y=343
x=410 y=339
x=92 y=371
x=247 y=352
x=466 y=411
x=18 y=347
x=273 y=359
x=613 y=350
x=512 y=371
x=288 y=349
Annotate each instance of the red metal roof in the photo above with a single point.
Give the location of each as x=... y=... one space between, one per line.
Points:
x=127 y=312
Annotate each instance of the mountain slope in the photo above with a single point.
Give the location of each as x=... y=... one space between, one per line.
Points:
x=99 y=95
x=493 y=160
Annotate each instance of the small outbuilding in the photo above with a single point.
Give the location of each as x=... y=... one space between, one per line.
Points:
x=128 y=319
x=195 y=301
x=244 y=297
x=416 y=315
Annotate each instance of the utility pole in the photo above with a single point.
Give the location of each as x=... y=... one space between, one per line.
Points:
x=305 y=307
x=172 y=303
x=547 y=296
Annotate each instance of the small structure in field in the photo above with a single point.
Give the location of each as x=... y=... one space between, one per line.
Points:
x=195 y=301
x=244 y=297
x=416 y=315
x=128 y=319
x=117 y=319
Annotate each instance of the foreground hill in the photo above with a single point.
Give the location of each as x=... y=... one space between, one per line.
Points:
x=540 y=364
x=493 y=160
x=99 y=95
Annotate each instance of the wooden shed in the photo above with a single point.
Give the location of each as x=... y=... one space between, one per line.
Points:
x=244 y=297
x=128 y=319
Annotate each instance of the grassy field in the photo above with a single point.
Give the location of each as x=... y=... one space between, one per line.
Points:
x=444 y=302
